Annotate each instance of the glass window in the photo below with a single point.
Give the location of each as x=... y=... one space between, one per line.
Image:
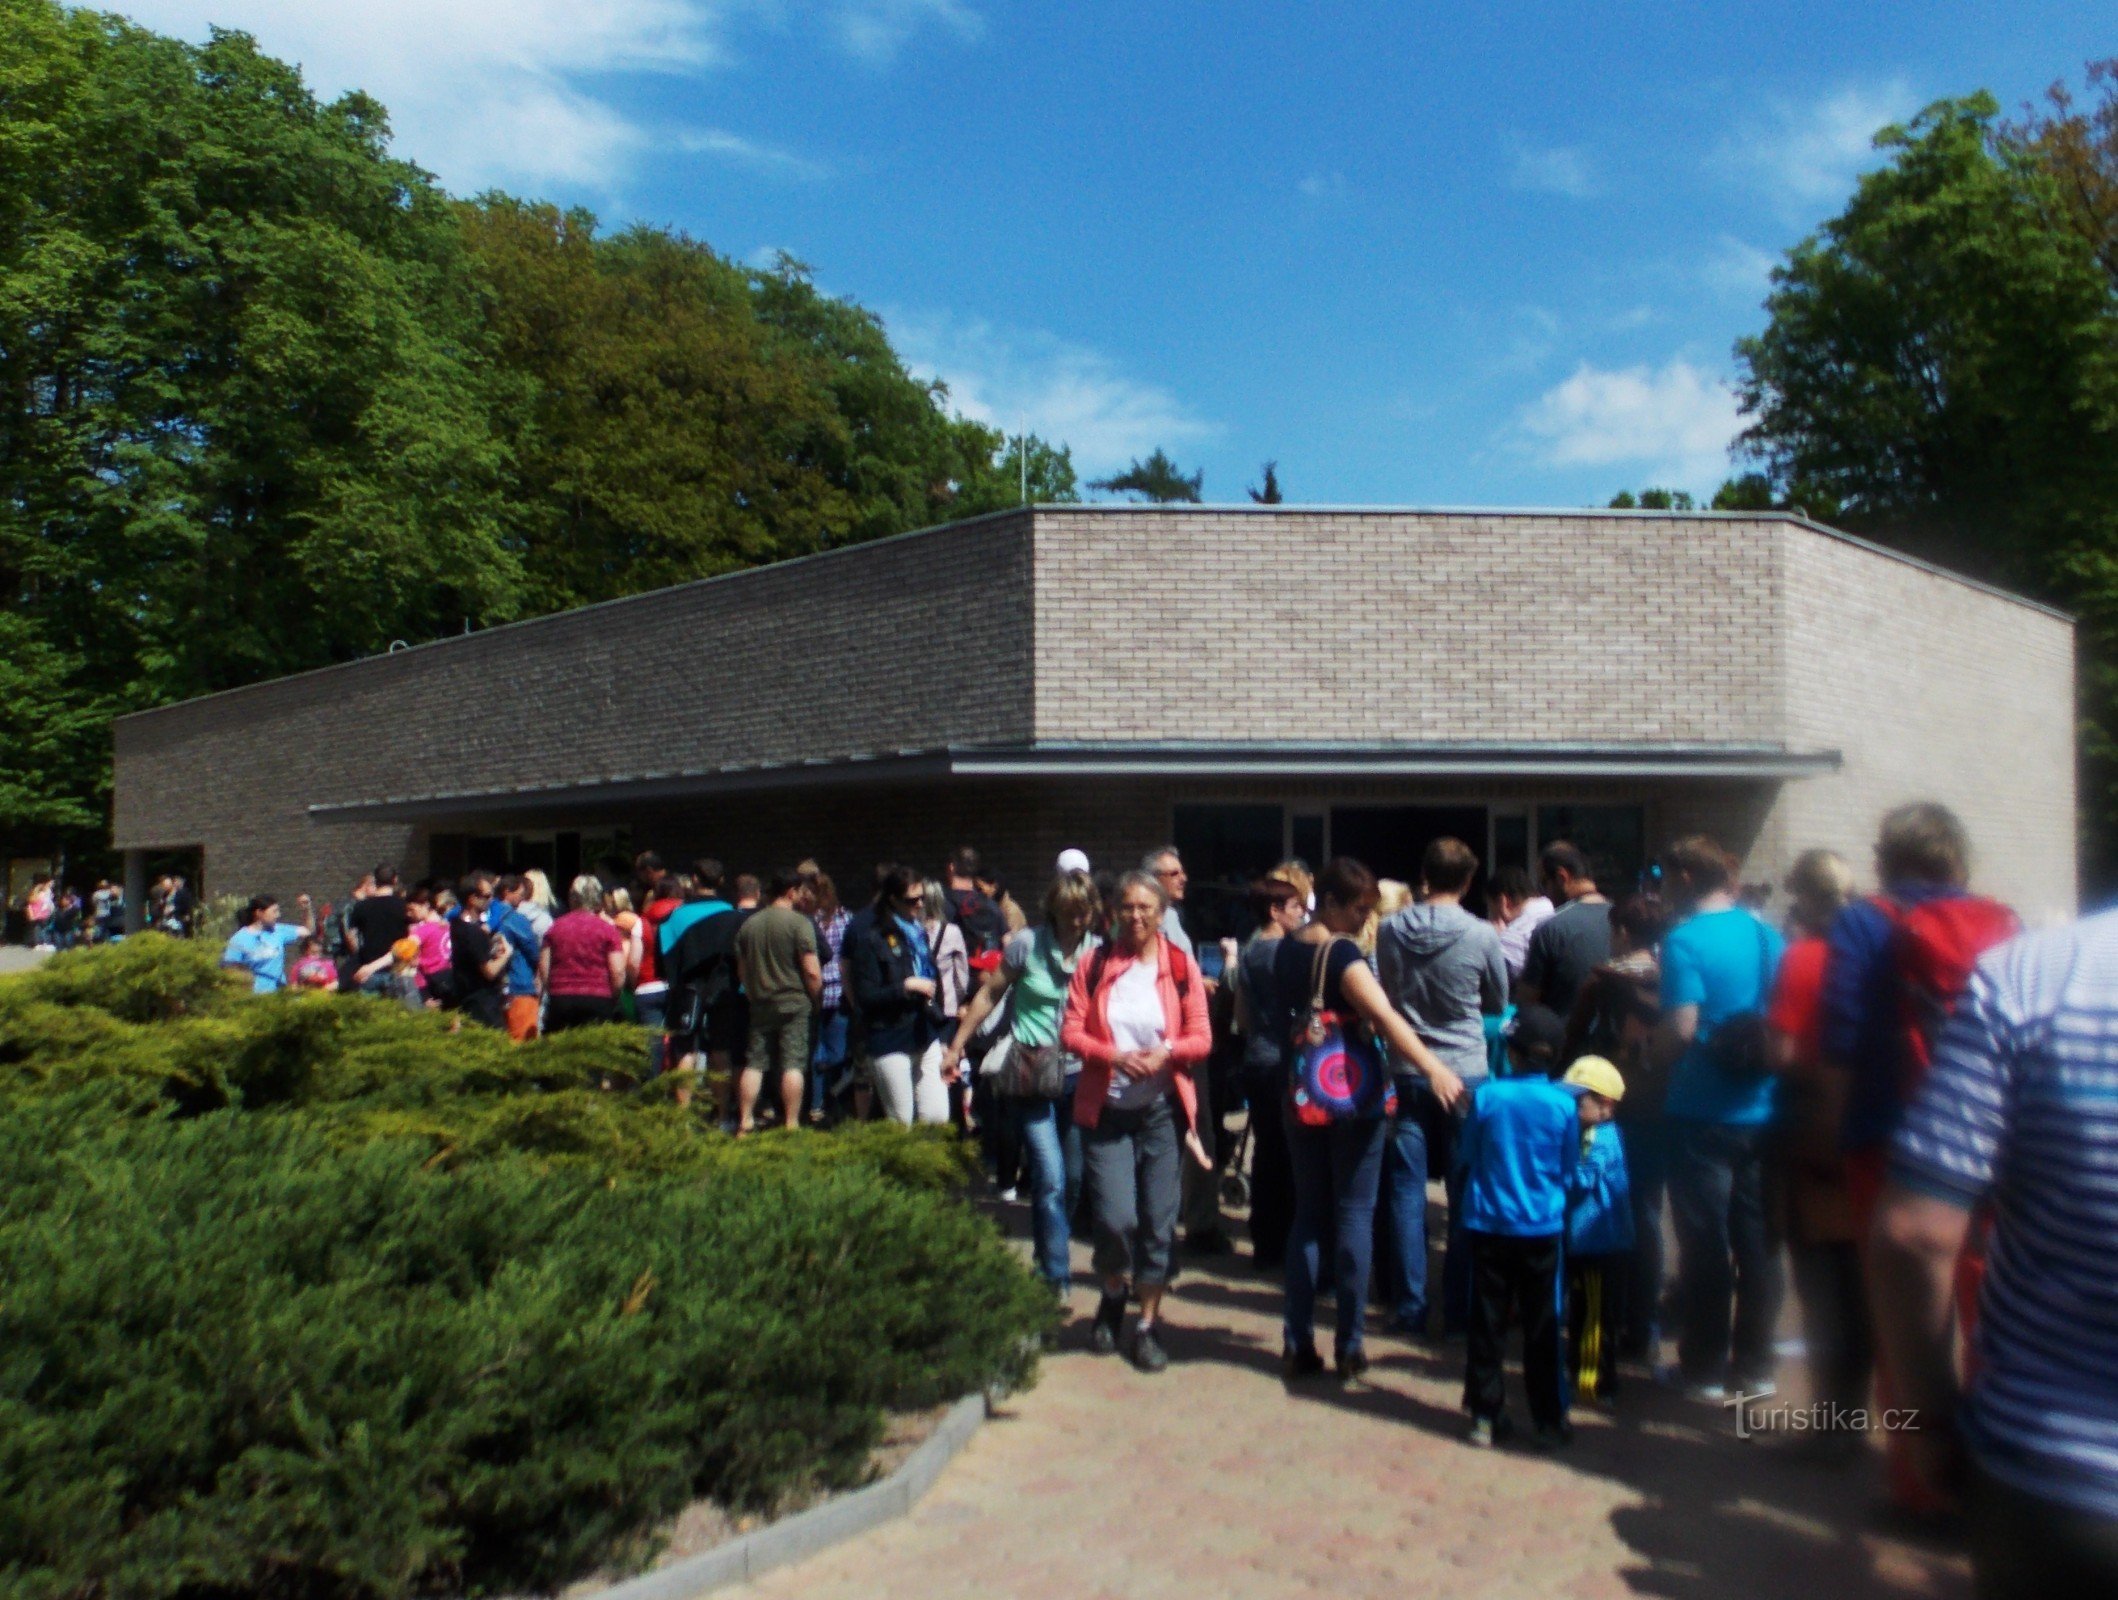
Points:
x=1224 y=847
x=1614 y=838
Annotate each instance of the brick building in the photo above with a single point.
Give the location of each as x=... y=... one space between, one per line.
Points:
x=1247 y=682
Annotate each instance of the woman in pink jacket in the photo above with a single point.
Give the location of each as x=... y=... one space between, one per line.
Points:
x=1136 y=1016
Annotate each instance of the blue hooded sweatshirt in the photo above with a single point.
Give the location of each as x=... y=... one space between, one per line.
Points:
x=1517 y=1150
x=1599 y=1211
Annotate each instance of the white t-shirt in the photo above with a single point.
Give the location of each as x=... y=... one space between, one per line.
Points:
x=1137 y=1023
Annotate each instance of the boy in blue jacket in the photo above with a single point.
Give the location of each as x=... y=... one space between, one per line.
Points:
x=1599 y=1240
x=1518 y=1149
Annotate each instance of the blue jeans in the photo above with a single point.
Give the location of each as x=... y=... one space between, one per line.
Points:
x=1402 y=1216
x=1727 y=1257
x=1039 y=1125
x=652 y=1010
x=1337 y=1172
x=1646 y=1146
x=828 y=1056
x=1070 y=1143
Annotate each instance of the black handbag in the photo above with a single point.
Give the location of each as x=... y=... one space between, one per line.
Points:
x=1033 y=1071
x=1741 y=1047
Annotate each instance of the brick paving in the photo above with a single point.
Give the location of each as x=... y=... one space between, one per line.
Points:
x=1218 y=1479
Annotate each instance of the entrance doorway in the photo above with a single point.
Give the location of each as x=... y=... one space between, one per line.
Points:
x=1391 y=840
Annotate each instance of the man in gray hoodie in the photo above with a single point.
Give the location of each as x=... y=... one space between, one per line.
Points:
x=1445 y=971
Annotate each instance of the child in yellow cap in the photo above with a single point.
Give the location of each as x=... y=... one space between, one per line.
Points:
x=1599 y=1238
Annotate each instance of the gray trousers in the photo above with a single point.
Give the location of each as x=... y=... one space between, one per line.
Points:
x=1131 y=1162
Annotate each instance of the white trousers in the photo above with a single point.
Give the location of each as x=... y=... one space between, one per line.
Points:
x=912 y=1094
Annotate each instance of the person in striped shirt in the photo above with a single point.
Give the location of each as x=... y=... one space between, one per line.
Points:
x=2018 y=1121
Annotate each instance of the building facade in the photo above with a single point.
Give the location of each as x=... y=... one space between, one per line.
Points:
x=1247 y=682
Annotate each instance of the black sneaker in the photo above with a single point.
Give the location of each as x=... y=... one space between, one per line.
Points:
x=1352 y=1365
x=1556 y=1436
x=1110 y=1317
x=1148 y=1354
x=1300 y=1362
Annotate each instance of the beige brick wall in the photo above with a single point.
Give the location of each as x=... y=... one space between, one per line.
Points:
x=1933 y=689
x=1440 y=626
x=1113 y=624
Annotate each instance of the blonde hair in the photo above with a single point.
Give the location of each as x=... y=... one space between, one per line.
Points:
x=618 y=902
x=540 y=888
x=1819 y=883
x=1391 y=897
x=1295 y=873
x=585 y=893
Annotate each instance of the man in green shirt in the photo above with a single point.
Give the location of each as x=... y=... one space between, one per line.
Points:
x=776 y=963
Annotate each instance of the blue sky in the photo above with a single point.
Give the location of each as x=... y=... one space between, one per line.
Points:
x=1442 y=255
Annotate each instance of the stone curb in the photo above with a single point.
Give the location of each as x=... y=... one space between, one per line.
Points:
x=804 y=1534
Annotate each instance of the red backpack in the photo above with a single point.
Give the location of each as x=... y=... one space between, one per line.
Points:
x=1933 y=947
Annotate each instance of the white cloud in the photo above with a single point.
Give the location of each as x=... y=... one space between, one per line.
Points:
x=753 y=153
x=1738 y=269
x=1064 y=392
x=1556 y=169
x=1807 y=154
x=875 y=30
x=1675 y=422
x=486 y=92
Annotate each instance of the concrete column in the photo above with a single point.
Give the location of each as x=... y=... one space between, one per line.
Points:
x=135 y=890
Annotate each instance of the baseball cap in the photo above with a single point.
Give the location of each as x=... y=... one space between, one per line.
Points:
x=1073 y=861
x=1596 y=1075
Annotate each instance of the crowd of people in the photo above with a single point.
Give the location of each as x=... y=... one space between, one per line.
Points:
x=1899 y=1094
x=54 y=914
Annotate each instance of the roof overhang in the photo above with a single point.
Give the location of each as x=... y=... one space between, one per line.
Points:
x=1175 y=759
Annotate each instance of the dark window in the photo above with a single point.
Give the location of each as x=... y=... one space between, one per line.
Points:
x=1307 y=841
x=1224 y=847
x=1614 y=838
x=1391 y=840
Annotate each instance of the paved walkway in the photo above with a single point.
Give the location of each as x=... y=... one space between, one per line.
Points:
x=1216 y=1479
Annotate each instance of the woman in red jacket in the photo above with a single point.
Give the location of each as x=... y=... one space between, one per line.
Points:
x=1136 y=1016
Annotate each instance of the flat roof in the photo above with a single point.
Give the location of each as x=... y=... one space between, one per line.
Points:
x=1123 y=508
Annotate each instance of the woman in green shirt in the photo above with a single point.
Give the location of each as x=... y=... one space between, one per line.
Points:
x=1037 y=1076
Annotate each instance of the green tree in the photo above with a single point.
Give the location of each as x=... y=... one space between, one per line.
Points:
x=1158 y=480
x=270 y=399
x=1267 y=493
x=1653 y=500
x=244 y=419
x=1940 y=372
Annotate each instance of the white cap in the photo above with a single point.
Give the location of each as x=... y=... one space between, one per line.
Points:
x=1073 y=861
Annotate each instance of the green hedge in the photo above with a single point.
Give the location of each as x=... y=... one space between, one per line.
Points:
x=306 y=1296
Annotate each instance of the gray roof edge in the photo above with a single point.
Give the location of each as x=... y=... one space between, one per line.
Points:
x=1174 y=758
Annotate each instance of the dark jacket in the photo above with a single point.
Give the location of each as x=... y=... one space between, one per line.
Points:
x=878 y=959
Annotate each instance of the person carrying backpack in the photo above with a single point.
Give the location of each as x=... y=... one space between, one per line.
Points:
x=984 y=924
x=1896 y=965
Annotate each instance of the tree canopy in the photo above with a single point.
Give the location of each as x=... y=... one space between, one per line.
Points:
x=1939 y=370
x=1157 y=480
x=270 y=398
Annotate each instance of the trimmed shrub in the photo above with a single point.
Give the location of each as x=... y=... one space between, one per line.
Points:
x=305 y=1296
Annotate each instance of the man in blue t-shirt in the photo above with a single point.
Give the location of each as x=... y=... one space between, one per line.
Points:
x=1718 y=966
x=260 y=945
